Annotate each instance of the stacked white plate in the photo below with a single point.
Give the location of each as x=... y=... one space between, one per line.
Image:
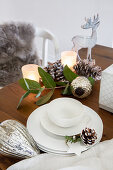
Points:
x=50 y=123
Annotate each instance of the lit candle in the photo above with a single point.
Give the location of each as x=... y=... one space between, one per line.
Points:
x=30 y=71
x=69 y=58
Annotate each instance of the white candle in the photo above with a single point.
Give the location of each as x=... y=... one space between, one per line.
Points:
x=30 y=71
x=69 y=58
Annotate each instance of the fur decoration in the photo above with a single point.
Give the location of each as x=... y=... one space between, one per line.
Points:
x=16 y=49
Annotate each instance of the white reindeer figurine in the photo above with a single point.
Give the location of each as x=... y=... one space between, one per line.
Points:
x=88 y=41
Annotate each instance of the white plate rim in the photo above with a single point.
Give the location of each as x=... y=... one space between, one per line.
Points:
x=52 y=128
x=50 y=149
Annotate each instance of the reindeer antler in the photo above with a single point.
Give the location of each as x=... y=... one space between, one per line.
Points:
x=91 y=23
x=95 y=19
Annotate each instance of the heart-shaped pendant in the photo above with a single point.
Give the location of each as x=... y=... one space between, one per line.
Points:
x=16 y=141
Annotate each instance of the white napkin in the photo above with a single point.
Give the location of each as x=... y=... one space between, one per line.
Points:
x=76 y=148
x=99 y=157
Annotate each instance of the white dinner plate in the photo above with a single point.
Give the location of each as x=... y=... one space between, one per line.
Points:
x=87 y=119
x=54 y=143
x=56 y=152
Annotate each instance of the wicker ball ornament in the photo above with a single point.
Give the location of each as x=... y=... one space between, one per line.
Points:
x=81 y=87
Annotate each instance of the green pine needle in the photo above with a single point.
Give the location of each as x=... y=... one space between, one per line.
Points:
x=72 y=139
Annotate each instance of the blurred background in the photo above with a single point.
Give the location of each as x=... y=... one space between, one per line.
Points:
x=62 y=17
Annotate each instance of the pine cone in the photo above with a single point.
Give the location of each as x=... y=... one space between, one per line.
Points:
x=88 y=69
x=88 y=136
x=56 y=71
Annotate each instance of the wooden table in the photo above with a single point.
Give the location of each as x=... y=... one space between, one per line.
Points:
x=10 y=95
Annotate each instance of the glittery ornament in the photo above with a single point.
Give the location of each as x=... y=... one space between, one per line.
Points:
x=15 y=140
x=81 y=87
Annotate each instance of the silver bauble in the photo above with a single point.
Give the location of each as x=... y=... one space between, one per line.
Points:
x=16 y=141
x=81 y=87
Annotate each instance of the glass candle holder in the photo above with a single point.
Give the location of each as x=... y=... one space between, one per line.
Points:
x=69 y=58
x=30 y=71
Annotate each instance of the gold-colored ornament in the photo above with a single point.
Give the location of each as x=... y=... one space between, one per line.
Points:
x=81 y=87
